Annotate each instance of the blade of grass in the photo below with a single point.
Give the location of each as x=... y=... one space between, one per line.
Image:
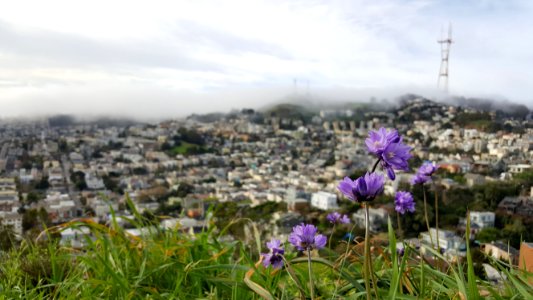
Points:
x=473 y=292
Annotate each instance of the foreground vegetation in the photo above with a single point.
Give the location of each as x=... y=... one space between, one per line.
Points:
x=208 y=265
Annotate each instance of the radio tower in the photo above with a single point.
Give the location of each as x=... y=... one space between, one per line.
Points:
x=445 y=44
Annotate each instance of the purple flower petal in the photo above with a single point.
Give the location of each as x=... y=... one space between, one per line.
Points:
x=346 y=187
x=303 y=237
x=320 y=241
x=266 y=259
x=378 y=140
x=390 y=173
x=345 y=220
x=275 y=257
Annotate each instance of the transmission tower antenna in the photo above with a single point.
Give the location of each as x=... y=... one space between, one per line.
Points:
x=445 y=44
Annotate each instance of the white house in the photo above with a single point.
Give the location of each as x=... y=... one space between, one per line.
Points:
x=12 y=219
x=482 y=219
x=324 y=200
x=447 y=241
x=519 y=168
x=93 y=182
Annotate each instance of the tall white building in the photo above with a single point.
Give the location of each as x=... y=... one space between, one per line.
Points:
x=324 y=200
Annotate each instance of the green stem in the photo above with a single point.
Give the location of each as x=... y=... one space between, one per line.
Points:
x=399 y=225
x=426 y=215
x=437 y=222
x=331 y=235
x=366 y=263
x=311 y=286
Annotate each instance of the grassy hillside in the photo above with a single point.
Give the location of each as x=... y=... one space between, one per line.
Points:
x=175 y=265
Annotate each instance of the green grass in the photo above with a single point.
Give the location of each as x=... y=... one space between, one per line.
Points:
x=182 y=148
x=175 y=265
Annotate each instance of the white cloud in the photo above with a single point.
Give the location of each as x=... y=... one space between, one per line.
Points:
x=61 y=54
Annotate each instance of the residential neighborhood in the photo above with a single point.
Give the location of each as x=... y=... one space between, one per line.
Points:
x=53 y=173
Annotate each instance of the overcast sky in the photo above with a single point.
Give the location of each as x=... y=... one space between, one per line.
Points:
x=170 y=58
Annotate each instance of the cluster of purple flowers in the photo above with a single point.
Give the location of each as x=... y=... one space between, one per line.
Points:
x=393 y=154
x=337 y=218
x=404 y=202
x=424 y=173
x=390 y=150
x=304 y=237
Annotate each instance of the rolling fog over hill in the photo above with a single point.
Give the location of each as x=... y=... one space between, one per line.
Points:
x=298 y=103
x=182 y=57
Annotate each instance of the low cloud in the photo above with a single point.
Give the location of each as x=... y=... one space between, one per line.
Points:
x=175 y=57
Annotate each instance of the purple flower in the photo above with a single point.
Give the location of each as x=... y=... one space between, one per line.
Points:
x=377 y=141
x=275 y=256
x=347 y=187
x=388 y=146
x=304 y=237
x=428 y=168
x=424 y=173
x=395 y=157
x=419 y=179
x=404 y=202
x=400 y=251
x=337 y=218
x=364 y=188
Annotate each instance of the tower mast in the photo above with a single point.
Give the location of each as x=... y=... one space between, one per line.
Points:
x=445 y=44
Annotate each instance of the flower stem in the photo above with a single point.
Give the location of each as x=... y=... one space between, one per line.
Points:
x=400 y=232
x=427 y=218
x=331 y=235
x=366 y=264
x=311 y=286
x=375 y=165
x=437 y=220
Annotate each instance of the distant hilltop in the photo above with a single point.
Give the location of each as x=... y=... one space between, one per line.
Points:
x=70 y=120
x=305 y=110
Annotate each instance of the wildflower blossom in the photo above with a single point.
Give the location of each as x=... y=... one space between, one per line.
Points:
x=419 y=179
x=424 y=173
x=337 y=218
x=364 y=188
x=404 y=202
x=428 y=168
x=400 y=251
x=395 y=157
x=377 y=141
x=304 y=237
x=275 y=256
x=389 y=148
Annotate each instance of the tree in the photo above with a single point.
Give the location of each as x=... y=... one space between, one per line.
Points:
x=33 y=218
x=516 y=232
x=32 y=197
x=78 y=178
x=487 y=235
x=7 y=238
x=43 y=183
x=140 y=171
x=184 y=189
